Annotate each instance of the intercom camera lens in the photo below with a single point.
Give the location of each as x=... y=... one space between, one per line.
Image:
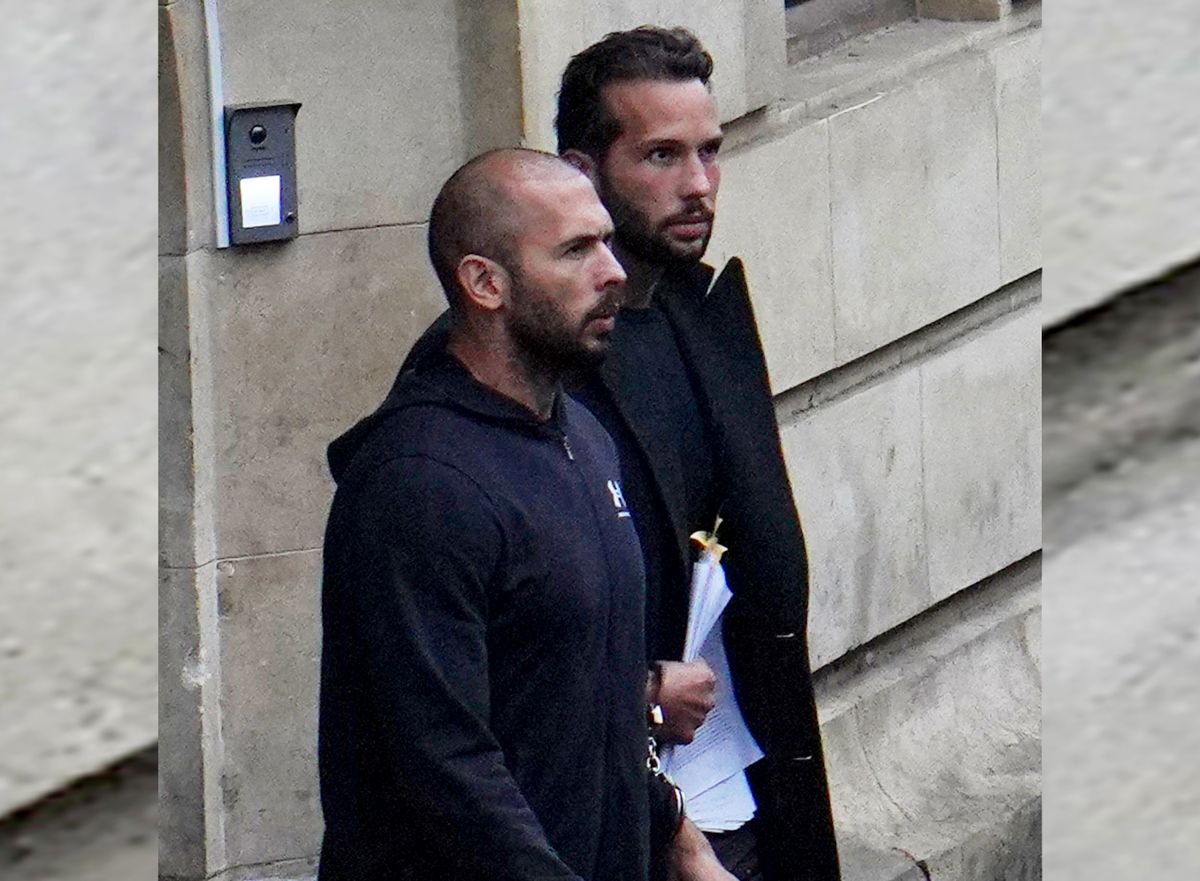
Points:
x=258 y=134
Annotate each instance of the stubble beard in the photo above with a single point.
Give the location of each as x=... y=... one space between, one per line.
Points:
x=546 y=344
x=637 y=236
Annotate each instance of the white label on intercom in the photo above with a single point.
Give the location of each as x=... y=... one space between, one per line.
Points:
x=260 y=201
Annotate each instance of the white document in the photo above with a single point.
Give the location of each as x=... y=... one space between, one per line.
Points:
x=727 y=806
x=260 y=201
x=723 y=746
x=709 y=597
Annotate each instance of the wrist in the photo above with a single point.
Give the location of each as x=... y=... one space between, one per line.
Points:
x=690 y=842
x=654 y=712
x=654 y=681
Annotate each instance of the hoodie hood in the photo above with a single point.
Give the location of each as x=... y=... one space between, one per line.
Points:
x=439 y=381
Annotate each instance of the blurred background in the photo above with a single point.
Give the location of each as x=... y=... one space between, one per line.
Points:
x=1121 y=373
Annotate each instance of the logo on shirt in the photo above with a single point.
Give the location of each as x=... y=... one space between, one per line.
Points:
x=618 y=498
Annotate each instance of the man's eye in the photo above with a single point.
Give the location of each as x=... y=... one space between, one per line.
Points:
x=660 y=156
x=708 y=154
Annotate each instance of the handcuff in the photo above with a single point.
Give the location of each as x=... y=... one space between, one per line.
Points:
x=654 y=766
x=655 y=719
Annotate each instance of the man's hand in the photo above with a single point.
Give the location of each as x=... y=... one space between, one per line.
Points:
x=692 y=857
x=686 y=693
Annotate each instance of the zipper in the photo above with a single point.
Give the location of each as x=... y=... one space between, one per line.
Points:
x=566 y=445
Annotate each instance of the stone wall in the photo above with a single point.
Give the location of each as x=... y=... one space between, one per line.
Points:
x=885 y=198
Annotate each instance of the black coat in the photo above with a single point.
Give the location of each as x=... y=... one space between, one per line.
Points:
x=766 y=635
x=767 y=570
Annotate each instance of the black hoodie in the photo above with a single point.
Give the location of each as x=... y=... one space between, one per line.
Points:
x=482 y=674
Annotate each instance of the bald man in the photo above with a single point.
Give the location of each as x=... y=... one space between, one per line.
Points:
x=482 y=695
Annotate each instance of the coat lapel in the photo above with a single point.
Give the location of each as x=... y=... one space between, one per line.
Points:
x=706 y=320
x=624 y=376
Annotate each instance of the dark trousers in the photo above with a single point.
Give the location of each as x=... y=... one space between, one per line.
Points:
x=738 y=851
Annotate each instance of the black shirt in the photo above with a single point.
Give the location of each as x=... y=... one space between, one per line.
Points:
x=648 y=335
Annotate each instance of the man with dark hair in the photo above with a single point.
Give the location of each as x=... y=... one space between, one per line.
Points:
x=585 y=121
x=684 y=393
x=482 y=713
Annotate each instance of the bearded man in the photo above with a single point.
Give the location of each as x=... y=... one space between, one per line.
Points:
x=483 y=661
x=685 y=395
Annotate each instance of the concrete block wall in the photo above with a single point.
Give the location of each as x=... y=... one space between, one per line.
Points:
x=926 y=217
x=932 y=740
x=886 y=209
x=941 y=492
x=960 y=10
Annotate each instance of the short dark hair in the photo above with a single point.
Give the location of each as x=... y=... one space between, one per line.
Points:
x=476 y=211
x=646 y=53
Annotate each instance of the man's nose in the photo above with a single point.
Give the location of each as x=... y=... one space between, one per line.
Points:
x=698 y=181
x=612 y=273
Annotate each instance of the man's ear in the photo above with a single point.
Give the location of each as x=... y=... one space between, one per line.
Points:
x=582 y=161
x=484 y=282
